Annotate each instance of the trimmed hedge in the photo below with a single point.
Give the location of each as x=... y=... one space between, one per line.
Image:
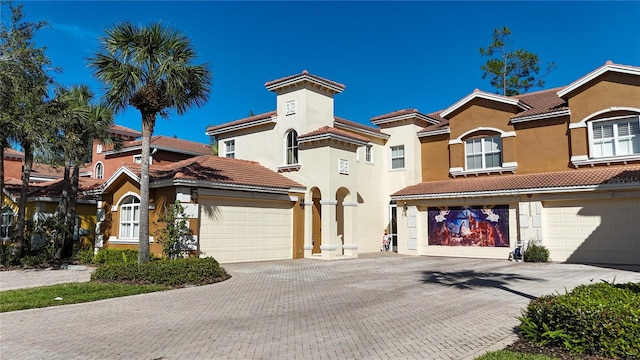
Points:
x=536 y=253
x=600 y=319
x=175 y=273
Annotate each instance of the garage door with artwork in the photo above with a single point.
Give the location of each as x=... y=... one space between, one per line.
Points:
x=593 y=231
x=245 y=230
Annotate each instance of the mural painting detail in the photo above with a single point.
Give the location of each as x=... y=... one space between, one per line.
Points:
x=469 y=226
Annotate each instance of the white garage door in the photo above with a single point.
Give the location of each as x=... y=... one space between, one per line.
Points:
x=594 y=231
x=238 y=230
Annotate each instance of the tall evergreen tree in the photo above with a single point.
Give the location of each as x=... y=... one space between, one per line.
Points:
x=511 y=72
x=24 y=78
x=149 y=68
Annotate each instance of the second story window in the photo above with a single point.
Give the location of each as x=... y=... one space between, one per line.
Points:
x=618 y=137
x=397 y=157
x=368 y=153
x=230 y=148
x=99 y=171
x=292 y=147
x=483 y=153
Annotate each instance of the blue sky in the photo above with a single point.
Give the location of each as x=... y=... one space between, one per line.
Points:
x=390 y=55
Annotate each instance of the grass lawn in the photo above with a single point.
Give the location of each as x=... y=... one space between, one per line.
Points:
x=71 y=293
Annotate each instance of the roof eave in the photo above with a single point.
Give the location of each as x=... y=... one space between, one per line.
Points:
x=596 y=73
x=486 y=96
x=270 y=119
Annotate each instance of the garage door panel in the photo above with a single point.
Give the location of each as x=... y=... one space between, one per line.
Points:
x=245 y=231
x=593 y=231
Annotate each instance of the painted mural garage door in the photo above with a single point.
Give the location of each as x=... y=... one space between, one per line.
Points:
x=241 y=230
x=593 y=231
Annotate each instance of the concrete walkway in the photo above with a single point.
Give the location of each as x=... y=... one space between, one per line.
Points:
x=380 y=306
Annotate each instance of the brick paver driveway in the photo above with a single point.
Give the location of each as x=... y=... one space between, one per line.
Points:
x=375 y=307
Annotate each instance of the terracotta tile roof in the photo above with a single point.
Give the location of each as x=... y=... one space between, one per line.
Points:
x=219 y=170
x=304 y=74
x=118 y=129
x=245 y=121
x=394 y=114
x=173 y=143
x=325 y=130
x=442 y=125
x=342 y=121
x=477 y=186
x=53 y=189
x=541 y=102
x=47 y=171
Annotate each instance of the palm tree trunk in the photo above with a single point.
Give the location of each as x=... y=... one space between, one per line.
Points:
x=19 y=242
x=148 y=123
x=70 y=220
x=63 y=205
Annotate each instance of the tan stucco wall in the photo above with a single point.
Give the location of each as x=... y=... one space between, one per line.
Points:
x=435 y=157
x=542 y=146
x=481 y=113
x=610 y=90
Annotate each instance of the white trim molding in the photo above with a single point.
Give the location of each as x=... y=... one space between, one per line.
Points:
x=549 y=115
x=486 y=96
x=584 y=160
x=507 y=167
x=583 y=123
x=609 y=66
x=503 y=134
x=116 y=240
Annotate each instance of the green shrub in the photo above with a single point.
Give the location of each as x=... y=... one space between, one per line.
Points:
x=113 y=256
x=178 y=272
x=600 y=318
x=85 y=256
x=536 y=253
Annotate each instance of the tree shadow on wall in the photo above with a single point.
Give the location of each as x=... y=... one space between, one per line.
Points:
x=471 y=279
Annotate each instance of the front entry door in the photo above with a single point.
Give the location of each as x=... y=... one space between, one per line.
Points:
x=317 y=226
x=393 y=226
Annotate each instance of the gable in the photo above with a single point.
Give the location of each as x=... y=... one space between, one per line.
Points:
x=481 y=113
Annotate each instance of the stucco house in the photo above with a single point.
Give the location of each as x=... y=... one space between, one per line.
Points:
x=560 y=167
x=238 y=210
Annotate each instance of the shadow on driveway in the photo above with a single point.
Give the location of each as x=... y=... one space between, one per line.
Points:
x=470 y=279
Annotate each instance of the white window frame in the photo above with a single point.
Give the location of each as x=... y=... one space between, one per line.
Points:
x=368 y=154
x=230 y=148
x=293 y=147
x=615 y=121
x=137 y=159
x=392 y=157
x=98 y=174
x=7 y=222
x=99 y=149
x=132 y=205
x=483 y=153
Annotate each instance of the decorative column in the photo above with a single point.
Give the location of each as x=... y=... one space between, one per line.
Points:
x=329 y=229
x=308 y=228
x=350 y=246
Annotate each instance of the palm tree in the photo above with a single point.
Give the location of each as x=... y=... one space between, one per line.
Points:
x=149 y=68
x=78 y=121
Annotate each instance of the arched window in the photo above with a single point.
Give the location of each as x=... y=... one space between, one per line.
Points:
x=6 y=223
x=292 y=147
x=99 y=171
x=130 y=218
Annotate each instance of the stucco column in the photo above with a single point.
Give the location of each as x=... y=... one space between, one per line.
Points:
x=329 y=229
x=350 y=246
x=308 y=228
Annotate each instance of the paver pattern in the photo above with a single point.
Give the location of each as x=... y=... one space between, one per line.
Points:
x=380 y=306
